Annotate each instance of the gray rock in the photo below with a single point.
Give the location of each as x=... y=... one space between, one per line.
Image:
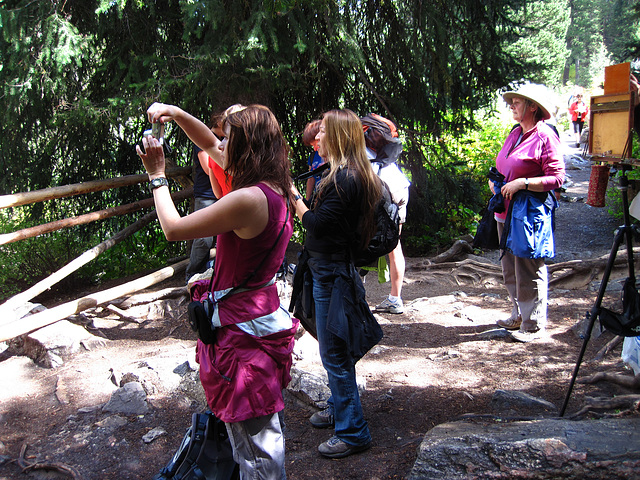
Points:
x=494 y=334
x=541 y=449
x=112 y=422
x=151 y=435
x=129 y=400
x=512 y=399
x=192 y=388
x=309 y=387
x=183 y=369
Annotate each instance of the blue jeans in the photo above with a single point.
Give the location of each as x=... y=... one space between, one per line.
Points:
x=350 y=424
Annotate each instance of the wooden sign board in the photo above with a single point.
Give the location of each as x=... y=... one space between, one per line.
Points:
x=616 y=78
x=611 y=121
x=611 y=114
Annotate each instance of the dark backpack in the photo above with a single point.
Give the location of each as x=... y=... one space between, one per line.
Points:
x=387 y=232
x=204 y=454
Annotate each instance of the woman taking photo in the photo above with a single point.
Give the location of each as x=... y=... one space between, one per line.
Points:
x=344 y=203
x=533 y=166
x=244 y=371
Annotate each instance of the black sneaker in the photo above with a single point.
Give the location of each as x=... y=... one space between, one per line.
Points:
x=323 y=419
x=336 y=448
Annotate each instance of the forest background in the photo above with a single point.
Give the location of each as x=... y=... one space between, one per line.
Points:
x=77 y=76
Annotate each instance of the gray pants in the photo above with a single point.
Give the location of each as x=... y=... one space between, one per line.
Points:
x=200 y=247
x=527 y=282
x=258 y=447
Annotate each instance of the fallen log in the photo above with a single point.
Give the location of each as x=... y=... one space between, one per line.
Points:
x=53 y=193
x=36 y=321
x=142 y=298
x=87 y=218
x=68 y=269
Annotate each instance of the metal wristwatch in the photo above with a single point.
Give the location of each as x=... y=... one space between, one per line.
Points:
x=526 y=184
x=158 y=182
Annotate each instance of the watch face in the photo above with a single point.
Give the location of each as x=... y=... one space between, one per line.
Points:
x=158 y=182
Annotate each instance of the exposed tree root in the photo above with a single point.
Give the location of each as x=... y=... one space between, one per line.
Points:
x=604 y=351
x=60 y=467
x=573 y=274
x=626 y=381
x=626 y=403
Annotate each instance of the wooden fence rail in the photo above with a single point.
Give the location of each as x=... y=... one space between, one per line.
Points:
x=10 y=325
x=87 y=218
x=53 y=193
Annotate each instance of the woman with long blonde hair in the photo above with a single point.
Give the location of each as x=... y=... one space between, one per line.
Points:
x=340 y=218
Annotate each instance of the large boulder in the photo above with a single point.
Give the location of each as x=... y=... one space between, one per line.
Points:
x=540 y=449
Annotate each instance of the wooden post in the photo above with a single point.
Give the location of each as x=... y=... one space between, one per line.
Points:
x=7 y=307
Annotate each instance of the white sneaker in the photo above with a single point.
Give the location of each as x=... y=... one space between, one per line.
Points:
x=390 y=307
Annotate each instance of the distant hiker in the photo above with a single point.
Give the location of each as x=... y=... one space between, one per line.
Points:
x=533 y=166
x=210 y=183
x=579 y=113
x=315 y=160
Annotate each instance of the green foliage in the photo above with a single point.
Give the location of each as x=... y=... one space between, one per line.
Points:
x=77 y=77
x=542 y=39
x=621 y=29
x=456 y=186
x=585 y=40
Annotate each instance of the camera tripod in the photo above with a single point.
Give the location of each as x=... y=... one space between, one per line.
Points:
x=624 y=232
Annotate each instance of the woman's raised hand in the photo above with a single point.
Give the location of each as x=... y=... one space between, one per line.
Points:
x=152 y=157
x=161 y=112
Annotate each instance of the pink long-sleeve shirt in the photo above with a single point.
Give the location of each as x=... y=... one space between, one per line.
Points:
x=537 y=155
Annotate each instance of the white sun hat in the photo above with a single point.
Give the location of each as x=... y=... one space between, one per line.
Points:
x=538 y=94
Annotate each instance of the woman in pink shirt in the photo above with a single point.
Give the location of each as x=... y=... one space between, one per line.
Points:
x=530 y=160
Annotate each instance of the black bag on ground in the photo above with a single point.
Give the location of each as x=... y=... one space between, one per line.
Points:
x=204 y=454
x=387 y=233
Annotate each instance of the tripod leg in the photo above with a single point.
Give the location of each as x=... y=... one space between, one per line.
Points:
x=595 y=311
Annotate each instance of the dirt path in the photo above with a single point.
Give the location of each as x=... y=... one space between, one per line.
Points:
x=432 y=366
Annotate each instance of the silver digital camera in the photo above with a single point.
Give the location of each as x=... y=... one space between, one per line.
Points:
x=157 y=131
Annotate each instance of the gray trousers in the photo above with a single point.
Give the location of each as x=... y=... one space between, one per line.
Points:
x=527 y=282
x=200 y=247
x=258 y=447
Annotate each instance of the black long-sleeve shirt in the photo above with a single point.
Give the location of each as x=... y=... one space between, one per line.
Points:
x=332 y=222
